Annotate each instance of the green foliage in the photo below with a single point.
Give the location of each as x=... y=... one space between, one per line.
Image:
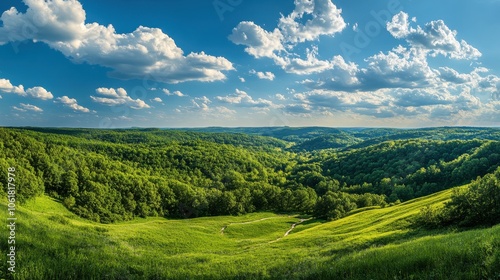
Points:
x=373 y=244
x=116 y=175
x=476 y=204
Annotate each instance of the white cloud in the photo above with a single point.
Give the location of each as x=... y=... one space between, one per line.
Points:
x=35 y=92
x=7 y=87
x=355 y=27
x=263 y=75
x=224 y=110
x=114 y=97
x=176 y=93
x=144 y=53
x=200 y=104
x=435 y=38
x=308 y=66
x=259 y=42
x=401 y=67
x=242 y=79
x=40 y=93
x=280 y=97
x=241 y=98
x=303 y=110
x=72 y=103
x=325 y=19
x=27 y=107
x=157 y=99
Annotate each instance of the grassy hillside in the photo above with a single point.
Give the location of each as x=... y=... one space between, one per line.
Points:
x=53 y=243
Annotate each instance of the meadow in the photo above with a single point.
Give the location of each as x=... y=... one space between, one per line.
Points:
x=380 y=243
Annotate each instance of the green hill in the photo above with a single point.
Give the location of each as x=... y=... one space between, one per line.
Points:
x=379 y=243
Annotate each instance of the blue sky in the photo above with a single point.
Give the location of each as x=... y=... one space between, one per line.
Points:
x=192 y=63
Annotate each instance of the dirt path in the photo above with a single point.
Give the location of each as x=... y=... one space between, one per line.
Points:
x=291 y=228
x=249 y=222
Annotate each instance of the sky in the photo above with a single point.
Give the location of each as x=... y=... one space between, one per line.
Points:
x=197 y=63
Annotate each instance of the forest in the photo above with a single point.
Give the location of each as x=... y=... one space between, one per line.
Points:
x=120 y=174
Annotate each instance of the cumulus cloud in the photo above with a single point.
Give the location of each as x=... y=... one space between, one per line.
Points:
x=200 y=104
x=241 y=98
x=157 y=99
x=35 y=92
x=298 y=109
x=115 y=97
x=27 y=107
x=307 y=22
x=72 y=103
x=307 y=66
x=40 y=93
x=175 y=93
x=259 y=42
x=263 y=75
x=435 y=37
x=144 y=53
x=401 y=67
x=280 y=97
x=325 y=19
x=425 y=104
x=339 y=100
x=7 y=87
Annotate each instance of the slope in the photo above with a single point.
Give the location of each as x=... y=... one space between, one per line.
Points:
x=53 y=243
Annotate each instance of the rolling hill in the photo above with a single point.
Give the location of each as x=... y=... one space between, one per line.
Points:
x=369 y=244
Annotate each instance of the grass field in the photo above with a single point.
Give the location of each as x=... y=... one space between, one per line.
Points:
x=52 y=243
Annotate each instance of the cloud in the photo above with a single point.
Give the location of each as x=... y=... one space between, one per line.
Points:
x=307 y=22
x=280 y=97
x=72 y=103
x=40 y=93
x=27 y=107
x=176 y=93
x=35 y=92
x=200 y=104
x=224 y=110
x=399 y=68
x=259 y=42
x=144 y=53
x=344 y=100
x=157 y=99
x=324 y=19
x=263 y=75
x=114 y=97
x=242 y=99
x=451 y=75
x=241 y=79
x=298 y=109
x=7 y=87
x=435 y=38
x=308 y=66
x=426 y=105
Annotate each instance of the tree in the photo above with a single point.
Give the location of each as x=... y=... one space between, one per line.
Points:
x=476 y=204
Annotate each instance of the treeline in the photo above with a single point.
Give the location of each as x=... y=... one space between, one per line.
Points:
x=403 y=170
x=109 y=182
x=473 y=205
x=113 y=175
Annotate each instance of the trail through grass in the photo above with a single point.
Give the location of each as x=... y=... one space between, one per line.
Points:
x=55 y=244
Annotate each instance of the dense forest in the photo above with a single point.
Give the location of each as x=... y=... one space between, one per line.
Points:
x=115 y=175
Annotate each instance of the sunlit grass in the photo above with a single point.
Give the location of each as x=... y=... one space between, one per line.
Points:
x=53 y=243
